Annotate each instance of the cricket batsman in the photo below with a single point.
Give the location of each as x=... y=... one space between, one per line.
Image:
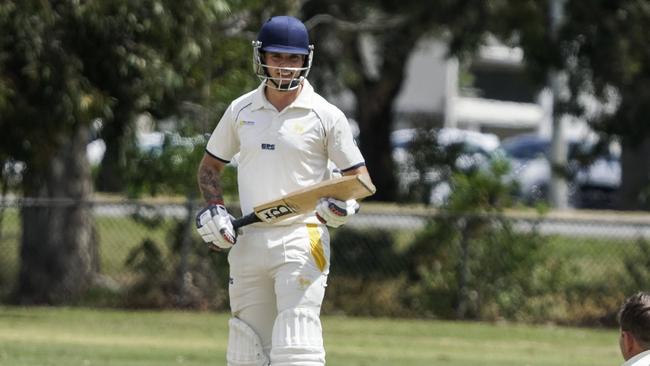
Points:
x=285 y=135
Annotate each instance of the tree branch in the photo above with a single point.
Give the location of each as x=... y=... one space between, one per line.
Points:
x=368 y=25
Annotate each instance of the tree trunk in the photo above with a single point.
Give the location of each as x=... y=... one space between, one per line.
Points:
x=110 y=177
x=375 y=118
x=374 y=108
x=57 y=253
x=634 y=193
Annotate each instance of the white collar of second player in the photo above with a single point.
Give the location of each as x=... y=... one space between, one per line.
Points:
x=304 y=100
x=642 y=359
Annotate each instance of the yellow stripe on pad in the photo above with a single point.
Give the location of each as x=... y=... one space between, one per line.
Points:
x=316 y=246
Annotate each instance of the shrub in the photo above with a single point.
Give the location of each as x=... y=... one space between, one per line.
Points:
x=366 y=253
x=469 y=262
x=187 y=275
x=367 y=274
x=638 y=267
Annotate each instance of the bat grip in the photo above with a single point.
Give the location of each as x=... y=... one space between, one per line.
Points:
x=245 y=220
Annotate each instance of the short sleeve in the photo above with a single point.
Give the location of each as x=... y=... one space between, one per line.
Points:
x=224 y=142
x=341 y=147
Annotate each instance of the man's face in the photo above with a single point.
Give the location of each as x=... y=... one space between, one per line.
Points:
x=283 y=65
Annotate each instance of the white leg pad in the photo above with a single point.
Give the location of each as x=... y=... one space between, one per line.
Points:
x=297 y=339
x=244 y=345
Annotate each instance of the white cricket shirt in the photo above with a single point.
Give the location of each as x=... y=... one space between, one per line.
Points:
x=280 y=152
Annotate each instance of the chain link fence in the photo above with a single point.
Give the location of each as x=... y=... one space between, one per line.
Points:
x=572 y=267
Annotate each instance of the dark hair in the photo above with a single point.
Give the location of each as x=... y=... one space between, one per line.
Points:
x=634 y=317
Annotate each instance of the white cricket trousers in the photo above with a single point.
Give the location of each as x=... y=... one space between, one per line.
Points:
x=279 y=270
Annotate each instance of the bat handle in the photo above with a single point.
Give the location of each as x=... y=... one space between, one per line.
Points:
x=245 y=220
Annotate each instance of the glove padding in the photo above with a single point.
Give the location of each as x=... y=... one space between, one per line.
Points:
x=335 y=213
x=215 y=226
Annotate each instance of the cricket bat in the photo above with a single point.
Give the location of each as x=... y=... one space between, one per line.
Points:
x=304 y=200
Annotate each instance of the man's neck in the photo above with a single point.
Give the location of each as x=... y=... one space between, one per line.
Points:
x=281 y=99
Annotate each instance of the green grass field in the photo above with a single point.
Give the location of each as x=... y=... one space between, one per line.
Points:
x=73 y=336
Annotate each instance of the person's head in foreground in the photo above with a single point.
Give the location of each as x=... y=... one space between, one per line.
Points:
x=634 y=321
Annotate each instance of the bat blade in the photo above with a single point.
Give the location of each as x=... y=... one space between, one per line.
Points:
x=304 y=200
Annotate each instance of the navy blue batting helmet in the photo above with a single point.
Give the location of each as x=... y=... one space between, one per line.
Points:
x=284 y=34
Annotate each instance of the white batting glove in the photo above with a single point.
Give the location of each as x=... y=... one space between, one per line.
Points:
x=335 y=213
x=215 y=226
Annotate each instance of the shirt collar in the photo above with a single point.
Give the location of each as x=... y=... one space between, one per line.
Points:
x=259 y=100
x=304 y=100
x=636 y=360
x=305 y=97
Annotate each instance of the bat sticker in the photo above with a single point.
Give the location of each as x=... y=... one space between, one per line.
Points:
x=277 y=211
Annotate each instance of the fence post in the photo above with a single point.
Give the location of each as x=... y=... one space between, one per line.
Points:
x=464 y=271
x=3 y=196
x=186 y=242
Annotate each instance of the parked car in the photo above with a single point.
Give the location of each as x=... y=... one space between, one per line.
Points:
x=593 y=177
x=468 y=149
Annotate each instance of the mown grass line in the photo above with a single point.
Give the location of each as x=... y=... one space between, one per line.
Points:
x=76 y=336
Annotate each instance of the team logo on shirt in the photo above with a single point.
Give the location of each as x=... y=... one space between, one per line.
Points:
x=268 y=146
x=298 y=128
x=246 y=123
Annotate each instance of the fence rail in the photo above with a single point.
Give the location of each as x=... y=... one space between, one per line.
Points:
x=387 y=261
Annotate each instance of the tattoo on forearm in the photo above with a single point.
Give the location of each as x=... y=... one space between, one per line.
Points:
x=209 y=184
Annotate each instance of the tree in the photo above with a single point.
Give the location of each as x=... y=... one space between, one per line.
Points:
x=65 y=64
x=154 y=56
x=610 y=59
x=45 y=109
x=345 y=30
x=62 y=65
x=339 y=28
x=600 y=48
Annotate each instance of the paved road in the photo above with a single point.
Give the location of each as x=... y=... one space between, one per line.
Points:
x=592 y=228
